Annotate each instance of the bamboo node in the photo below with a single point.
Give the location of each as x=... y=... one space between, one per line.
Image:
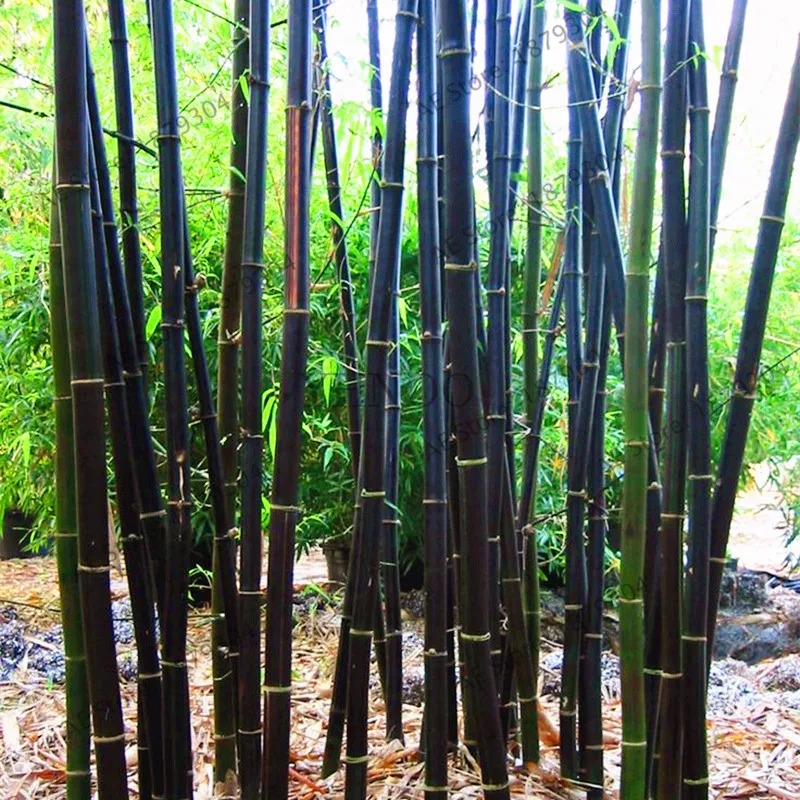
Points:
x=501 y=291
x=651 y=671
x=671 y=676
x=593 y=636
x=634 y=744
x=455 y=267
x=770 y=218
x=285 y=509
x=718 y=559
x=433 y=653
x=359 y=632
x=86 y=382
x=173 y=664
x=410 y=14
x=696 y=298
x=574 y=493
x=673 y=154
x=277 y=689
x=65 y=535
x=75 y=187
x=391 y=185
x=426 y=787
x=355 y=759
x=304 y=312
x=162 y=136
x=634 y=601
x=493 y=539
x=251 y=592
x=532 y=699
x=79 y=773
x=687 y=638
x=378 y=343
x=594 y=747
x=494 y=787
x=120 y=737
x=476 y=637
x=471 y=462
x=637 y=443
x=394 y=634
x=427 y=160
x=87 y=568
x=365 y=493
x=256 y=732
x=432 y=501
x=573 y=607
x=696 y=781
x=149 y=676
x=455 y=51
x=665 y=515
x=700 y=477
x=387 y=563
x=224 y=737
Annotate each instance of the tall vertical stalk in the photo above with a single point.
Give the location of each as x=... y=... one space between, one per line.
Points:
x=575 y=560
x=751 y=339
x=435 y=493
x=228 y=344
x=634 y=502
x=286 y=470
x=126 y=153
x=673 y=134
x=530 y=326
x=373 y=493
x=86 y=383
x=695 y=753
x=177 y=743
x=724 y=112
x=66 y=532
x=466 y=403
x=252 y=267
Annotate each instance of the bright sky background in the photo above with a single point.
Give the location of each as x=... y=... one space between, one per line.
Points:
x=770 y=40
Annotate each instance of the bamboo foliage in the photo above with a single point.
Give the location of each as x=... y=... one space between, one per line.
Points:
x=86 y=382
x=751 y=339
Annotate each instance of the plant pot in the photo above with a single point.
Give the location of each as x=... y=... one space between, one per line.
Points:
x=337 y=559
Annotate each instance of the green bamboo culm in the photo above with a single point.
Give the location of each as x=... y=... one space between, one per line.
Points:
x=530 y=335
x=86 y=384
x=751 y=340
x=251 y=274
x=66 y=532
x=466 y=405
x=667 y=774
x=228 y=346
x=115 y=325
x=286 y=470
x=435 y=497
x=631 y=614
x=177 y=735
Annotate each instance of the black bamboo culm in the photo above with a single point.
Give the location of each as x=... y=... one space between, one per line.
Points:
x=336 y=722
x=500 y=494
x=496 y=293
x=670 y=727
x=489 y=73
x=252 y=267
x=78 y=782
x=373 y=493
x=376 y=102
x=723 y=115
x=635 y=487
x=751 y=339
x=590 y=699
x=140 y=583
x=466 y=404
x=228 y=345
x=137 y=568
x=575 y=564
x=224 y=535
x=435 y=495
x=530 y=335
x=86 y=383
x=126 y=152
x=177 y=739
x=389 y=551
x=286 y=469
x=699 y=477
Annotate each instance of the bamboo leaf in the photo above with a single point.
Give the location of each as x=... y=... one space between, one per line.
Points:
x=153 y=321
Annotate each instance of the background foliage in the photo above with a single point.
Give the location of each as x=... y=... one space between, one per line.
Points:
x=204 y=50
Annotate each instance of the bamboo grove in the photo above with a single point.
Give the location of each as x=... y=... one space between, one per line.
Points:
x=638 y=296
